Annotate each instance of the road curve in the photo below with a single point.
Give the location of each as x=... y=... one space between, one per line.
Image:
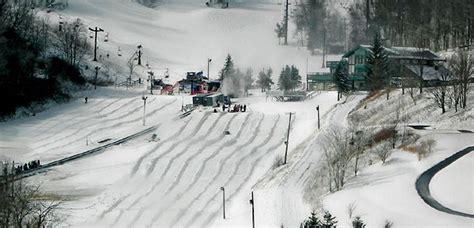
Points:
x=423 y=182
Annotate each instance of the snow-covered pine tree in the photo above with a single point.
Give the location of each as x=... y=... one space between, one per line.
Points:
x=312 y=222
x=329 y=221
x=377 y=66
x=228 y=68
x=341 y=78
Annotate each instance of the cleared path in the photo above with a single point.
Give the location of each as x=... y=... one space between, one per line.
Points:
x=423 y=182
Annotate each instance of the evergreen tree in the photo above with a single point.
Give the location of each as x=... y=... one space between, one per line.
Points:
x=329 y=221
x=289 y=78
x=228 y=68
x=312 y=222
x=264 y=80
x=341 y=78
x=358 y=223
x=377 y=66
x=280 y=31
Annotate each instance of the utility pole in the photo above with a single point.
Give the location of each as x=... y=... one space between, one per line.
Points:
x=144 y=107
x=97 y=68
x=139 y=54
x=208 y=73
x=252 y=202
x=287 y=137
x=367 y=18
x=286 y=22
x=319 y=124
x=96 y=30
x=223 y=201
x=346 y=45
x=324 y=47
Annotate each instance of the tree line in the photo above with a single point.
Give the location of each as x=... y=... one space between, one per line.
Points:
x=37 y=59
x=434 y=24
x=238 y=83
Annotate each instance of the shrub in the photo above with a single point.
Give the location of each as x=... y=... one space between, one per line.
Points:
x=278 y=162
x=426 y=148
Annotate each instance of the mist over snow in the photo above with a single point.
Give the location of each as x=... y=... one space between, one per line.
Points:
x=181 y=36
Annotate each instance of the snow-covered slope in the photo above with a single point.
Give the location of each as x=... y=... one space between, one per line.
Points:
x=387 y=192
x=181 y=36
x=174 y=181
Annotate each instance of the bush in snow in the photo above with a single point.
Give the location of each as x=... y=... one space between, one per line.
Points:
x=358 y=223
x=382 y=151
x=278 y=162
x=351 y=209
x=388 y=224
x=426 y=148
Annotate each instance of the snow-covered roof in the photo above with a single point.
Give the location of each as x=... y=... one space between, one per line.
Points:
x=431 y=73
x=402 y=53
x=414 y=53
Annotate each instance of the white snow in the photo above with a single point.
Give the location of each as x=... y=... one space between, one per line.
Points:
x=175 y=181
x=387 y=192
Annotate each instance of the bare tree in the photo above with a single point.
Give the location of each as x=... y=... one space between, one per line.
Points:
x=462 y=66
x=337 y=154
x=131 y=67
x=22 y=204
x=441 y=92
x=44 y=212
x=382 y=151
x=72 y=42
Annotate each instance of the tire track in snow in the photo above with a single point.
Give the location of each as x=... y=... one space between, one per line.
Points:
x=152 y=167
x=173 y=159
x=201 y=168
x=88 y=126
x=224 y=160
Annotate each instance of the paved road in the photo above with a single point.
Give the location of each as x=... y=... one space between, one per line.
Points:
x=423 y=182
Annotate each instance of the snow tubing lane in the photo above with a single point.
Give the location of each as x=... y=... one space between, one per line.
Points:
x=423 y=182
x=155 y=161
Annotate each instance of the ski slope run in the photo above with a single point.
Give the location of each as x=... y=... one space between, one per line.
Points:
x=177 y=182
